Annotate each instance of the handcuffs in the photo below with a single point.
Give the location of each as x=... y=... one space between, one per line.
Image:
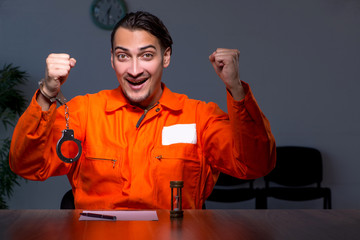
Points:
x=67 y=134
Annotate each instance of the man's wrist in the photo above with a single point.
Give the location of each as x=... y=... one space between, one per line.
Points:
x=237 y=92
x=47 y=96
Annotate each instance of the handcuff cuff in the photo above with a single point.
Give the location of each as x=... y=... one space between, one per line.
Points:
x=67 y=134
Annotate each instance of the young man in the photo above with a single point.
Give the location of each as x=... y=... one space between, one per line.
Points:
x=139 y=137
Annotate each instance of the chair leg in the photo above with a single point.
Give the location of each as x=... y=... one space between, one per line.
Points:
x=327 y=199
x=330 y=207
x=261 y=199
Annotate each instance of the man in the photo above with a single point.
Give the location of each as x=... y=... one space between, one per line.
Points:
x=140 y=136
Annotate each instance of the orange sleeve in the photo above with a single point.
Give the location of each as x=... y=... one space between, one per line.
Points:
x=246 y=148
x=32 y=146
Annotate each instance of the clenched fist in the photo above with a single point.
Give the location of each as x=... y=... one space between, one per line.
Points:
x=57 y=71
x=226 y=65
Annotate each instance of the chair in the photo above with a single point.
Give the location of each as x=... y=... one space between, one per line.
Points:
x=67 y=202
x=297 y=168
x=229 y=189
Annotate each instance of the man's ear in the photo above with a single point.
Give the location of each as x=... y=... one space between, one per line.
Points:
x=112 y=59
x=166 y=58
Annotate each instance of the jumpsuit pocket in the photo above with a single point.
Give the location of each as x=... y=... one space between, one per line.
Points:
x=177 y=162
x=100 y=173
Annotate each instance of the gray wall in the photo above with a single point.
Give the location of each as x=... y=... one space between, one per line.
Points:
x=301 y=59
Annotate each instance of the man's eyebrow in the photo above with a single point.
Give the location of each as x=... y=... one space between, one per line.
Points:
x=148 y=46
x=141 y=49
x=122 y=48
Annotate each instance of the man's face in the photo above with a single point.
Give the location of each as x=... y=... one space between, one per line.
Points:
x=139 y=62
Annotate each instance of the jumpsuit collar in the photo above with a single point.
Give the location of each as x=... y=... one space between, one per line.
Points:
x=117 y=100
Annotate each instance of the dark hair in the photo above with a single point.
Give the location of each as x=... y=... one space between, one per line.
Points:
x=148 y=22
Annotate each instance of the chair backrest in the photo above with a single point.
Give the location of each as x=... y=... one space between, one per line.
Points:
x=296 y=166
x=229 y=189
x=67 y=202
x=225 y=180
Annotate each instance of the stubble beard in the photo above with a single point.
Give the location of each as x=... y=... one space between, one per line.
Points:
x=137 y=100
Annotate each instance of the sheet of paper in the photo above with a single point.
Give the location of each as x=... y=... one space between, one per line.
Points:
x=123 y=216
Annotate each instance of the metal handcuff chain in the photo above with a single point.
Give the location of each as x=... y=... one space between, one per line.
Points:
x=67 y=134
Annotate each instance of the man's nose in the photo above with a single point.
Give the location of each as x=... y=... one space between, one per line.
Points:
x=135 y=69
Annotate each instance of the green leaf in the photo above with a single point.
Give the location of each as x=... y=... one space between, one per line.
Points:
x=8 y=179
x=12 y=105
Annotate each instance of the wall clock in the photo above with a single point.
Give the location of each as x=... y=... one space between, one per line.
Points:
x=106 y=13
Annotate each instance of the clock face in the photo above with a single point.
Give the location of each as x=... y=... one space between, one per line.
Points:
x=106 y=13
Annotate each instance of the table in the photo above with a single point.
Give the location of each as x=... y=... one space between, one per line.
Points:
x=196 y=224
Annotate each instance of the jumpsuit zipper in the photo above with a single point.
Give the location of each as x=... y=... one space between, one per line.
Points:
x=104 y=159
x=144 y=114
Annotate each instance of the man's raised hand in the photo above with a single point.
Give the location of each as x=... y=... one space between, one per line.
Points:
x=226 y=65
x=58 y=66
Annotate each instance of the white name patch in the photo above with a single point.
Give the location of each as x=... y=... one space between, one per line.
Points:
x=179 y=133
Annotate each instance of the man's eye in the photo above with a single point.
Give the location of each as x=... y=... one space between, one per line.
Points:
x=122 y=56
x=148 y=56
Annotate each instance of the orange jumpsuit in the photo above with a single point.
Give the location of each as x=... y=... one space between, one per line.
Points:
x=130 y=156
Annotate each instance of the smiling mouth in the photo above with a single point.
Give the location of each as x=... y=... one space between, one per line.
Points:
x=136 y=83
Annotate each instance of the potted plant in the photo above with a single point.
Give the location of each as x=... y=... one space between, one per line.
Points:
x=12 y=105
